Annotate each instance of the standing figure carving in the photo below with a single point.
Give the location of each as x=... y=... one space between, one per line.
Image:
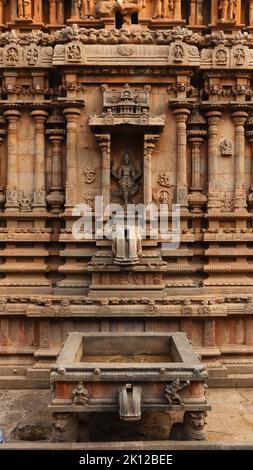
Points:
x=88 y=9
x=128 y=179
x=227 y=10
x=163 y=9
x=24 y=9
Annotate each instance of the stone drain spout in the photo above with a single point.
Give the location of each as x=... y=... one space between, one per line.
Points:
x=130 y=403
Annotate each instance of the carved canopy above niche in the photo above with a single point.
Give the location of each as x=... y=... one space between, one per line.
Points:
x=127 y=106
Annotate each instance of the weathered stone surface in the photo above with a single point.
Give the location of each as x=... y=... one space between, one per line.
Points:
x=78 y=90
x=229 y=422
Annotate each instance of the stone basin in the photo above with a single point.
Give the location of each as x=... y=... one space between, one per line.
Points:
x=127 y=373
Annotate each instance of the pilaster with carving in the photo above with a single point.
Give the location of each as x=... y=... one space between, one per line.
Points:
x=181 y=112
x=149 y=145
x=196 y=132
x=39 y=198
x=56 y=134
x=104 y=142
x=213 y=118
x=249 y=133
x=12 y=115
x=72 y=114
x=2 y=137
x=239 y=116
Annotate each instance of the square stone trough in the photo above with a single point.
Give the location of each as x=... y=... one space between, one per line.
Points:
x=127 y=373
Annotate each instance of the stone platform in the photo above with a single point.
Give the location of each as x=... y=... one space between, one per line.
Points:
x=24 y=417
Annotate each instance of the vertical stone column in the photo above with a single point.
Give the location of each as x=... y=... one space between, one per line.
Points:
x=2 y=136
x=251 y=12
x=249 y=132
x=13 y=10
x=196 y=132
x=52 y=12
x=197 y=199
x=56 y=133
x=38 y=11
x=213 y=119
x=149 y=145
x=239 y=117
x=196 y=12
x=181 y=113
x=12 y=115
x=2 y=3
x=199 y=12
x=192 y=17
x=60 y=12
x=177 y=10
x=72 y=115
x=75 y=13
x=104 y=142
x=39 y=116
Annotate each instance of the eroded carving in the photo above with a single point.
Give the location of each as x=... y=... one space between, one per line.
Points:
x=171 y=391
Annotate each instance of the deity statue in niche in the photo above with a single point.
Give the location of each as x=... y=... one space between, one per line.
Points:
x=24 y=9
x=163 y=9
x=227 y=10
x=128 y=179
x=83 y=9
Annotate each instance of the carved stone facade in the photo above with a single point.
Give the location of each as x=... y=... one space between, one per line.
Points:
x=137 y=102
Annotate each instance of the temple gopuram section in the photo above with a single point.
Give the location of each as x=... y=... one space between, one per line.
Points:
x=136 y=102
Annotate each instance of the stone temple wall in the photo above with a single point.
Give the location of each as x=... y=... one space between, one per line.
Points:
x=81 y=84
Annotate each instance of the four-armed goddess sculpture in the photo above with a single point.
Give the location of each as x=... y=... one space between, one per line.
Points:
x=128 y=179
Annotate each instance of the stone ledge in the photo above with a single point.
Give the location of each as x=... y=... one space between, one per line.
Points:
x=141 y=445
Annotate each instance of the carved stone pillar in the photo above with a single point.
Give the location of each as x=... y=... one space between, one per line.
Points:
x=13 y=10
x=181 y=113
x=75 y=11
x=196 y=133
x=56 y=133
x=60 y=12
x=239 y=117
x=177 y=10
x=251 y=12
x=149 y=145
x=38 y=11
x=2 y=3
x=2 y=135
x=39 y=116
x=213 y=118
x=104 y=142
x=52 y=12
x=72 y=115
x=12 y=116
x=196 y=12
x=249 y=132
